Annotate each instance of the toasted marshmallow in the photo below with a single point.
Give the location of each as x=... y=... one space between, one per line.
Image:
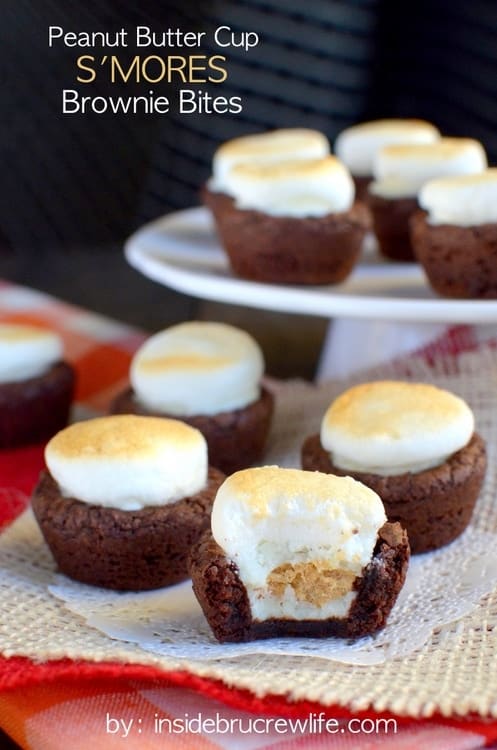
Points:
x=26 y=352
x=128 y=462
x=392 y=427
x=401 y=171
x=266 y=148
x=358 y=145
x=462 y=201
x=293 y=188
x=298 y=538
x=197 y=368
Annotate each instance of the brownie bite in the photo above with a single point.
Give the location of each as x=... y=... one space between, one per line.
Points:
x=296 y=553
x=270 y=147
x=123 y=500
x=358 y=145
x=413 y=444
x=455 y=237
x=209 y=376
x=36 y=385
x=400 y=171
x=294 y=222
x=284 y=208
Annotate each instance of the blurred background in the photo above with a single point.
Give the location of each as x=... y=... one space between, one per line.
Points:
x=74 y=187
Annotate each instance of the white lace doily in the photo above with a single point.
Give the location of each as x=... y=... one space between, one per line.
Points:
x=441 y=587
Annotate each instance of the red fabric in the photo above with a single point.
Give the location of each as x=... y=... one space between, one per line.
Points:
x=19 y=470
x=19 y=672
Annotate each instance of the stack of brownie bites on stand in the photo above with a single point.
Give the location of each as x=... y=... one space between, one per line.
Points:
x=172 y=483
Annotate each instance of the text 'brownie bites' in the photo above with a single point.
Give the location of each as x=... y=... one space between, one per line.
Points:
x=123 y=500
x=413 y=444
x=297 y=553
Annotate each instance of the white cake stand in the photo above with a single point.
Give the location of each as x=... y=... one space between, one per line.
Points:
x=381 y=311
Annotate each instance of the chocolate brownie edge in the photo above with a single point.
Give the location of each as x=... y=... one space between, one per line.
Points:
x=391 y=225
x=459 y=262
x=33 y=410
x=236 y=439
x=122 y=550
x=217 y=202
x=220 y=591
x=224 y=600
x=361 y=184
x=381 y=582
x=287 y=250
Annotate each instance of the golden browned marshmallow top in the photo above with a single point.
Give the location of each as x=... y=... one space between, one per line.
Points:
x=266 y=148
x=402 y=170
x=467 y=200
x=27 y=351
x=390 y=427
x=358 y=145
x=128 y=461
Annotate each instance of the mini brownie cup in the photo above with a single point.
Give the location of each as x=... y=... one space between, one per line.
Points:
x=293 y=222
x=391 y=225
x=358 y=145
x=36 y=386
x=400 y=171
x=124 y=499
x=217 y=202
x=413 y=444
x=294 y=553
x=208 y=375
x=455 y=240
x=262 y=148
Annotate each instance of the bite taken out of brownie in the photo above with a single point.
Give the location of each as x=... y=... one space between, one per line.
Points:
x=296 y=553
